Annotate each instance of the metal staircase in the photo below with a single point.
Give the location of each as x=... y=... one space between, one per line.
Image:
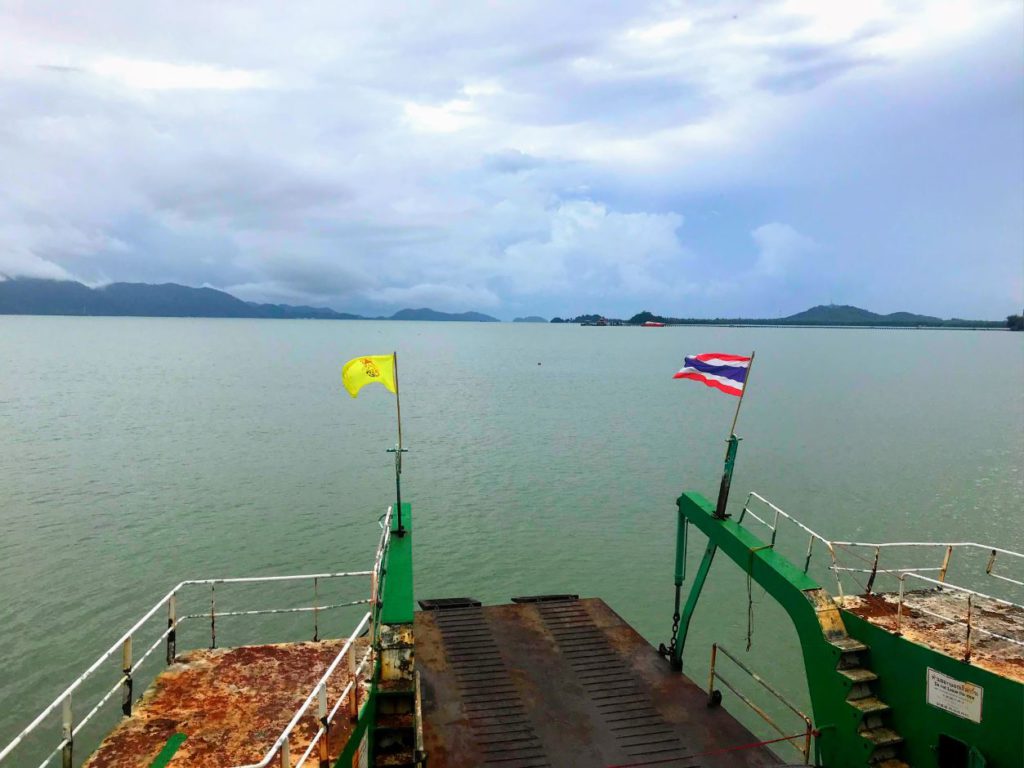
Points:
x=881 y=743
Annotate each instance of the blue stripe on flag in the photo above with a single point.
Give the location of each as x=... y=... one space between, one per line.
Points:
x=735 y=373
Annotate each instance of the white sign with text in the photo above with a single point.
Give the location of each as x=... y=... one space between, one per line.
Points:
x=956 y=696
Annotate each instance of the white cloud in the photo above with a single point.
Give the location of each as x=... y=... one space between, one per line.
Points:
x=165 y=76
x=780 y=249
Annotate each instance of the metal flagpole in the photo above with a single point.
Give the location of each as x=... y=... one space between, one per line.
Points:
x=730 y=450
x=736 y=415
x=398 y=451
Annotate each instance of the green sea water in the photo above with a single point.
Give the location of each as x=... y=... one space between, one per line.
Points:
x=138 y=452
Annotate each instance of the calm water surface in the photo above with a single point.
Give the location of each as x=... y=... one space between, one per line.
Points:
x=138 y=452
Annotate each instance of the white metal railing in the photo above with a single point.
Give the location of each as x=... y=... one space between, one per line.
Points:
x=870 y=563
x=71 y=727
x=281 y=745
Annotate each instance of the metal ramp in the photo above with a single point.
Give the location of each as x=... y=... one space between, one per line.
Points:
x=562 y=682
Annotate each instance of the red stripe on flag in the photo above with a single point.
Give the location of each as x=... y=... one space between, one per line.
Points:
x=717 y=356
x=710 y=382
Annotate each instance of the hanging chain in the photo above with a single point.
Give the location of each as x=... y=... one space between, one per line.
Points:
x=675 y=635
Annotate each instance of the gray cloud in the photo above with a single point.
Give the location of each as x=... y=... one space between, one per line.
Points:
x=533 y=158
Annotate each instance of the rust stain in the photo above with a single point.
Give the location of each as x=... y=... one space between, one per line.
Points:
x=232 y=704
x=919 y=626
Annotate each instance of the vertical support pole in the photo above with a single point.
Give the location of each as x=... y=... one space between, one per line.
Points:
x=835 y=569
x=213 y=616
x=967 y=649
x=711 y=673
x=899 y=607
x=286 y=753
x=807 y=743
x=679 y=576
x=398 y=453
x=945 y=563
x=691 y=603
x=353 y=701
x=316 y=610
x=172 y=625
x=325 y=740
x=874 y=572
x=126 y=667
x=723 y=489
x=66 y=727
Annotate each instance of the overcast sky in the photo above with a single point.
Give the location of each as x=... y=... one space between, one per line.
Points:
x=694 y=159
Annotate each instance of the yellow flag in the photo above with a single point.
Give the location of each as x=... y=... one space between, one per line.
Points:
x=359 y=372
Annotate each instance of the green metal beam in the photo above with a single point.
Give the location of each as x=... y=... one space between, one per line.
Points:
x=839 y=743
x=691 y=602
x=397 y=596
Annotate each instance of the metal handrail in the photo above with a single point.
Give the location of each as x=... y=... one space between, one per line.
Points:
x=280 y=745
x=70 y=728
x=327 y=717
x=835 y=545
x=715 y=675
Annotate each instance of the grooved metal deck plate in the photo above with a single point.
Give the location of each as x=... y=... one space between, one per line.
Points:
x=566 y=683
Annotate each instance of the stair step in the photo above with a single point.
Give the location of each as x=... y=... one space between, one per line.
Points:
x=396 y=721
x=858 y=675
x=882 y=737
x=396 y=688
x=883 y=754
x=869 y=705
x=848 y=644
x=859 y=691
x=404 y=758
x=893 y=763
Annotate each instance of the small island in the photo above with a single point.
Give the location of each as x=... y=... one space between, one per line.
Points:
x=821 y=316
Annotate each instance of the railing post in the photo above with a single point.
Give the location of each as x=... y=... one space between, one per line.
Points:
x=66 y=722
x=967 y=650
x=874 y=572
x=316 y=610
x=711 y=674
x=835 y=569
x=991 y=563
x=945 y=563
x=286 y=755
x=325 y=740
x=213 y=616
x=126 y=667
x=899 y=607
x=807 y=743
x=172 y=625
x=354 y=695
x=810 y=546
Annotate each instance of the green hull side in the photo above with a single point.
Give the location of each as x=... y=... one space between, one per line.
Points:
x=902 y=668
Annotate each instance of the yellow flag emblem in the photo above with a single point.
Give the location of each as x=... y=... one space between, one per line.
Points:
x=360 y=371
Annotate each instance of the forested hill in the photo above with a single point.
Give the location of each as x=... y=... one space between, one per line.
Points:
x=30 y=296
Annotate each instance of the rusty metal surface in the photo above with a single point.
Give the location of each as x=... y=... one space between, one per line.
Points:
x=919 y=624
x=568 y=683
x=231 y=703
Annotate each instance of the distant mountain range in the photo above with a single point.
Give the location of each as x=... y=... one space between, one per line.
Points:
x=30 y=296
x=822 y=315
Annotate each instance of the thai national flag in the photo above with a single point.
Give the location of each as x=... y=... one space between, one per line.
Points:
x=725 y=372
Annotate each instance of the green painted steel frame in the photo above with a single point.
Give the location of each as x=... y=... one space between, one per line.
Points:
x=838 y=743
x=900 y=664
x=395 y=605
